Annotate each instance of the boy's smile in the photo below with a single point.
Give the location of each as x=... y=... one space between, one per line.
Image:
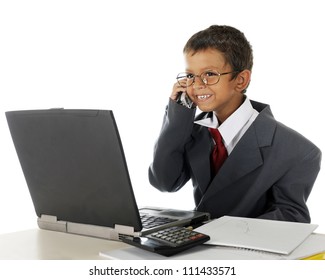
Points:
x=203 y=97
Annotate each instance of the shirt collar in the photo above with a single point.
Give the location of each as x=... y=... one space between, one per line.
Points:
x=233 y=124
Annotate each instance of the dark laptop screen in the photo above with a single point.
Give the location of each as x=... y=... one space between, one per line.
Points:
x=74 y=165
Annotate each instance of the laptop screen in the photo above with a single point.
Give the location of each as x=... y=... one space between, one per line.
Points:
x=74 y=166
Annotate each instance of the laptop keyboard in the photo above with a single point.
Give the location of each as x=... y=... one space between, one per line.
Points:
x=149 y=221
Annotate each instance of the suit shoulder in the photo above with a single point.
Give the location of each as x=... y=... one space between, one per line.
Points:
x=269 y=129
x=291 y=136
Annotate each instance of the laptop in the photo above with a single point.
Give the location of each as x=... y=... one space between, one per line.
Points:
x=75 y=168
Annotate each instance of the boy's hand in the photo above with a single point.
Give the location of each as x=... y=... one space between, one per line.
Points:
x=180 y=96
x=177 y=89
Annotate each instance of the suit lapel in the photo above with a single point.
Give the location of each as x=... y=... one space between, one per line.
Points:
x=239 y=163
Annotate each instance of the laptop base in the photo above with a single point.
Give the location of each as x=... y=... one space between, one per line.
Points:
x=48 y=222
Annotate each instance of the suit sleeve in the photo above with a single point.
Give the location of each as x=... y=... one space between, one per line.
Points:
x=290 y=193
x=169 y=170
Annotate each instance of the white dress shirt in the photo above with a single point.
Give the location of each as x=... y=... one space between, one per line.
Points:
x=234 y=127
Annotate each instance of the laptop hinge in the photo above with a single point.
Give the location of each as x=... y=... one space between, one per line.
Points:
x=126 y=230
x=51 y=223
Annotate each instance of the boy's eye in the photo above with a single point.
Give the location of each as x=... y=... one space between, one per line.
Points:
x=189 y=76
x=209 y=74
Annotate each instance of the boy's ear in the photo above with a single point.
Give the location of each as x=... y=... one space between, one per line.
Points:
x=243 y=79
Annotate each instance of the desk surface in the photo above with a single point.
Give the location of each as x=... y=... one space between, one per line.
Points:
x=37 y=244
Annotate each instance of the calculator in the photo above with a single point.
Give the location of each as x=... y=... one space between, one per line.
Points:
x=169 y=241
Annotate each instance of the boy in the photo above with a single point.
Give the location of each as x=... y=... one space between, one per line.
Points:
x=266 y=169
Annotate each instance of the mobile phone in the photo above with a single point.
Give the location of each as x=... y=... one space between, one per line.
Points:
x=183 y=99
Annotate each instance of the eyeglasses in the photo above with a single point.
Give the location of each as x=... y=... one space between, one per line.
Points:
x=208 y=78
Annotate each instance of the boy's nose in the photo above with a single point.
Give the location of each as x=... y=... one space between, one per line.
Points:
x=198 y=83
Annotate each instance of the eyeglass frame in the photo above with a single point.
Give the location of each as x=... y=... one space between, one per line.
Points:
x=203 y=80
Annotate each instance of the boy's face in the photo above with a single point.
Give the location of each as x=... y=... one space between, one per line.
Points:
x=224 y=97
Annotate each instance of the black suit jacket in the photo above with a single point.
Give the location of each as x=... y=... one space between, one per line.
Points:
x=269 y=174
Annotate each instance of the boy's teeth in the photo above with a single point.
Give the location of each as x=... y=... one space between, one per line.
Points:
x=202 y=96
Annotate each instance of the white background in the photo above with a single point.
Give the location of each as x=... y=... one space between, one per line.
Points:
x=124 y=56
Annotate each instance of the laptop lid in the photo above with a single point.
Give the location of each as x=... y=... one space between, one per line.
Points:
x=74 y=166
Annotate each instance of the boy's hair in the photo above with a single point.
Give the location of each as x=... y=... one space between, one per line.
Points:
x=226 y=39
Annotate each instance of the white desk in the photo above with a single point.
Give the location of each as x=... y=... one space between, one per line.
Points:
x=37 y=244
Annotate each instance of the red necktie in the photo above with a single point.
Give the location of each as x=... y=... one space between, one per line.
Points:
x=219 y=153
